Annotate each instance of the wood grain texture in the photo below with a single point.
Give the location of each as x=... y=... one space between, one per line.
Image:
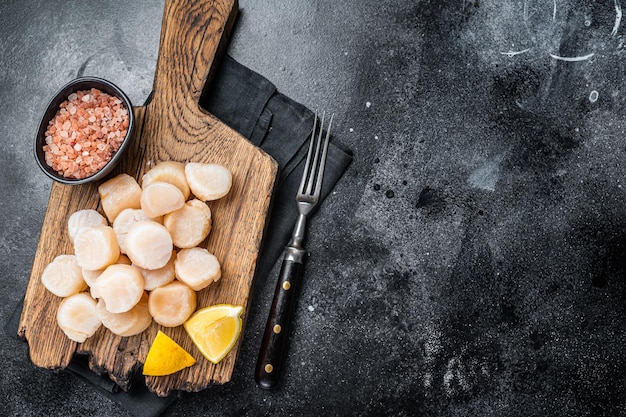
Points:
x=170 y=127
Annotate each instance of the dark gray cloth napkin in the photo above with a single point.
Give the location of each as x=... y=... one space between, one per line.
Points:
x=251 y=105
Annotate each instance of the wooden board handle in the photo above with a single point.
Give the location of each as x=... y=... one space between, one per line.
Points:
x=185 y=60
x=194 y=34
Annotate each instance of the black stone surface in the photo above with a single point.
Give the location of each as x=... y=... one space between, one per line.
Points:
x=471 y=260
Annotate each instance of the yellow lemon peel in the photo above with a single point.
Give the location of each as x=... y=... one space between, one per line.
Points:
x=215 y=330
x=166 y=357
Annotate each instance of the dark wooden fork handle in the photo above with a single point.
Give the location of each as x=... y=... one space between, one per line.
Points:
x=275 y=339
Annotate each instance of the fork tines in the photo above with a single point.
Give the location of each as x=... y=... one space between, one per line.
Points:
x=311 y=183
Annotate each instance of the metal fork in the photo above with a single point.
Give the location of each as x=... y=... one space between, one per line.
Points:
x=274 y=344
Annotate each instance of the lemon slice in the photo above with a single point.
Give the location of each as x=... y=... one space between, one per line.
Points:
x=215 y=329
x=166 y=357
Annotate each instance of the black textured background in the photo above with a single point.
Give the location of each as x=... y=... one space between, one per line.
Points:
x=470 y=262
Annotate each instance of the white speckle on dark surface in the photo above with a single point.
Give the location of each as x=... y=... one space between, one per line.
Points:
x=485 y=177
x=573 y=58
x=511 y=54
x=618 y=17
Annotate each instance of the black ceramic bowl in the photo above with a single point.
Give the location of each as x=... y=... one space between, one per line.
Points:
x=78 y=84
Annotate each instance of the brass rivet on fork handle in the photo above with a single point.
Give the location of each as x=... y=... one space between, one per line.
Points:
x=274 y=344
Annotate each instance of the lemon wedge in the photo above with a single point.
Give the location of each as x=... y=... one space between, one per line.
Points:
x=215 y=329
x=166 y=357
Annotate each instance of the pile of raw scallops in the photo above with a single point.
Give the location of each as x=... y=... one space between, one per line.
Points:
x=142 y=261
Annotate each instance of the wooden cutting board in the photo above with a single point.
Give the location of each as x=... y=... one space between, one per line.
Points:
x=170 y=127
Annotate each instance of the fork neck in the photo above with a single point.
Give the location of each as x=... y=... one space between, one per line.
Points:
x=297 y=238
